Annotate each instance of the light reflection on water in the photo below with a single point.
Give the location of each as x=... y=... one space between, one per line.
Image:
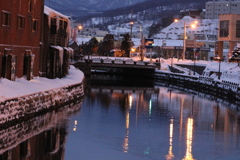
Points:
x=154 y=123
x=129 y=123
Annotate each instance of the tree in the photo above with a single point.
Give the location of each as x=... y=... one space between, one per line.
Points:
x=107 y=44
x=93 y=45
x=126 y=45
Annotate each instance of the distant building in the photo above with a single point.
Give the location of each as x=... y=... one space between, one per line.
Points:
x=194 y=13
x=92 y=32
x=216 y=7
x=20 y=38
x=229 y=31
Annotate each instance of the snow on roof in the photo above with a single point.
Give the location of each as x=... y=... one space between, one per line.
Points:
x=51 y=12
x=59 y=16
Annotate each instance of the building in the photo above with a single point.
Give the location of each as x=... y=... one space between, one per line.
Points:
x=216 y=7
x=20 y=38
x=229 y=31
x=91 y=32
x=56 y=53
x=194 y=13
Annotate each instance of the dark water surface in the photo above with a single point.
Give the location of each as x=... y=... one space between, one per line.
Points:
x=129 y=123
x=152 y=123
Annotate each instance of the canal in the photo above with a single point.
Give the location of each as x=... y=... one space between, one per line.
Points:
x=130 y=120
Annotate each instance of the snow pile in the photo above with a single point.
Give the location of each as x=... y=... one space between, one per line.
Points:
x=22 y=87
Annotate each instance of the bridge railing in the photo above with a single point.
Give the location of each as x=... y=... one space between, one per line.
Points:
x=119 y=60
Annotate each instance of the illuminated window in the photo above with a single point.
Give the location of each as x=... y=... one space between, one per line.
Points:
x=224 y=28
x=238 y=29
x=34 y=25
x=21 y=22
x=6 y=17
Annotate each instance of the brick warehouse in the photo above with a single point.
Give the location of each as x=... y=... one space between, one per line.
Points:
x=33 y=40
x=20 y=37
x=56 y=54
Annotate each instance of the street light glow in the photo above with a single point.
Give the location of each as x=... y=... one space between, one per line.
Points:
x=80 y=27
x=193 y=25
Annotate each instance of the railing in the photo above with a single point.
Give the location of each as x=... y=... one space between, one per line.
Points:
x=117 y=61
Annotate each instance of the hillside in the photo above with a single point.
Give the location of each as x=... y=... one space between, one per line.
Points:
x=152 y=19
x=152 y=15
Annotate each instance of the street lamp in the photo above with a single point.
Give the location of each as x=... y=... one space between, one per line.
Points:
x=219 y=67
x=80 y=27
x=131 y=24
x=194 y=61
x=193 y=25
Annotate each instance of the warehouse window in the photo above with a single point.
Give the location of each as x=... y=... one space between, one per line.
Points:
x=6 y=17
x=21 y=22
x=34 y=25
x=30 y=6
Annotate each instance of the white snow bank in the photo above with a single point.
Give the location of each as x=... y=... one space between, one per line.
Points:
x=21 y=87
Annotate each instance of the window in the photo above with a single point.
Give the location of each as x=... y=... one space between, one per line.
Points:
x=34 y=25
x=224 y=28
x=21 y=22
x=6 y=17
x=30 y=6
x=238 y=29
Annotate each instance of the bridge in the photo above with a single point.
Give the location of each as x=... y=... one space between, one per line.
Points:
x=116 y=66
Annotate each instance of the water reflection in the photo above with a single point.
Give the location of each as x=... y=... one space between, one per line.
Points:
x=188 y=155
x=125 y=143
x=42 y=137
x=170 y=154
x=164 y=123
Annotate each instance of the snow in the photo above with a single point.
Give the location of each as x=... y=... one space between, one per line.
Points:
x=174 y=30
x=22 y=87
x=59 y=16
x=60 y=49
x=230 y=71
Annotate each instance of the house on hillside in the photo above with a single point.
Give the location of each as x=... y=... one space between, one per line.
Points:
x=56 y=53
x=194 y=13
x=20 y=38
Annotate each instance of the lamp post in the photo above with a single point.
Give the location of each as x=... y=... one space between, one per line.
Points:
x=141 y=43
x=194 y=62
x=80 y=27
x=184 y=40
x=219 y=67
x=131 y=24
x=193 y=25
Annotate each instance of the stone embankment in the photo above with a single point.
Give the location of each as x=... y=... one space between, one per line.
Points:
x=226 y=90
x=23 y=108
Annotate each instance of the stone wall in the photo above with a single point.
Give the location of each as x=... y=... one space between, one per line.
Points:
x=220 y=89
x=27 y=106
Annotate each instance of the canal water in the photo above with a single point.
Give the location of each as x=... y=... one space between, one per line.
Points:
x=140 y=121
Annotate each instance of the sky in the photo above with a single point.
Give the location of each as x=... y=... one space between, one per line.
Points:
x=21 y=86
